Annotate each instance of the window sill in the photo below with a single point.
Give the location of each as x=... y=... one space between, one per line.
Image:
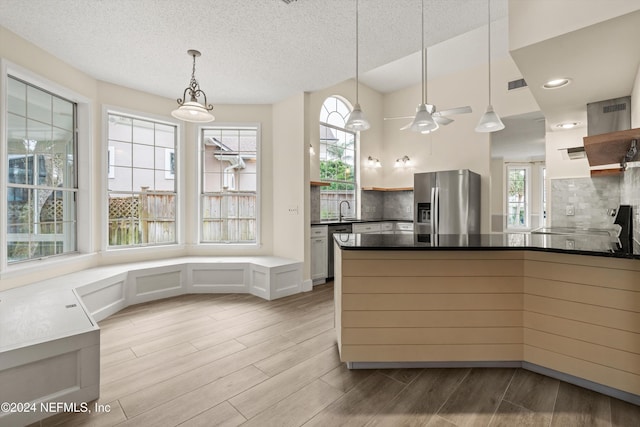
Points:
x=35 y=266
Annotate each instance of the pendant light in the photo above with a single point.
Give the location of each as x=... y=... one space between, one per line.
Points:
x=357 y=121
x=423 y=121
x=490 y=121
x=192 y=110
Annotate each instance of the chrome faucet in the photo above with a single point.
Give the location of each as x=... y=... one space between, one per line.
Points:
x=340 y=209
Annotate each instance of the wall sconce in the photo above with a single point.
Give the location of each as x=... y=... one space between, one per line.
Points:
x=403 y=162
x=373 y=163
x=312 y=152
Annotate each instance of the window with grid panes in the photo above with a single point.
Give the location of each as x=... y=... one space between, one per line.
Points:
x=141 y=159
x=41 y=177
x=518 y=197
x=338 y=153
x=229 y=196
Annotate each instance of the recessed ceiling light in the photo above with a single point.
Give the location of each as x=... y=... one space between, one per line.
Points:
x=568 y=125
x=556 y=83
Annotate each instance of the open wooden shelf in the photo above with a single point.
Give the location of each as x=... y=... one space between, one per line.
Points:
x=609 y=148
x=319 y=184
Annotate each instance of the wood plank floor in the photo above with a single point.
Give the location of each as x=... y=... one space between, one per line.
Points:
x=205 y=360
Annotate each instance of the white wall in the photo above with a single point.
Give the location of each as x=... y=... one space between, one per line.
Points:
x=555 y=17
x=497 y=195
x=289 y=151
x=635 y=102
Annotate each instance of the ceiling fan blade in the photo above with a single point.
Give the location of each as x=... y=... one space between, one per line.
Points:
x=406 y=127
x=442 y=120
x=457 y=110
x=396 y=118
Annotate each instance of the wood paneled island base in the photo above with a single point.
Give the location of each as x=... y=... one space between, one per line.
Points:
x=573 y=317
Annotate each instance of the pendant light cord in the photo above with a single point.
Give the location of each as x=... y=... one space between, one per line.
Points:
x=424 y=60
x=489 y=44
x=357 y=52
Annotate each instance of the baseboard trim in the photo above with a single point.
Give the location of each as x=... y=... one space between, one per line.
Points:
x=581 y=382
x=571 y=379
x=413 y=365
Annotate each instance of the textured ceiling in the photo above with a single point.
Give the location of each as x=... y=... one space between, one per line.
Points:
x=253 y=51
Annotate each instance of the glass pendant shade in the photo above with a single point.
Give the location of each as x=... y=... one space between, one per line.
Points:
x=193 y=111
x=423 y=122
x=489 y=122
x=357 y=121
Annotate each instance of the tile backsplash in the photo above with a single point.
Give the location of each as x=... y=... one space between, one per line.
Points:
x=374 y=204
x=387 y=205
x=588 y=199
x=630 y=195
x=315 y=203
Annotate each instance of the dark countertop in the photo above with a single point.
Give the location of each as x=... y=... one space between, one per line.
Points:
x=356 y=221
x=570 y=244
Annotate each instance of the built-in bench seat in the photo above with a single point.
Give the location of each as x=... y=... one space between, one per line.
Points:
x=49 y=338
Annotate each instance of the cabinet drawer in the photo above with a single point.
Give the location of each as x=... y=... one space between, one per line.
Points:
x=367 y=228
x=319 y=231
x=404 y=226
x=386 y=226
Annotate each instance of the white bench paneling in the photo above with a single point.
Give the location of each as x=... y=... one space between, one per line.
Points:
x=104 y=298
x=217 y=278
x=49 y=339
x=156 y=283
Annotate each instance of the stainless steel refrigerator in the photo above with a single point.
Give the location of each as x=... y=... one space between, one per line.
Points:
x=447 y=202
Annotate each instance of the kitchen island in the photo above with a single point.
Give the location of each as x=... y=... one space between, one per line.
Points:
x=564 y=306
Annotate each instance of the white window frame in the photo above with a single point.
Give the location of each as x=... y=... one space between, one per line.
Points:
x=199 y=173
x=117 y=251
x=85 y=199
x=527 y=201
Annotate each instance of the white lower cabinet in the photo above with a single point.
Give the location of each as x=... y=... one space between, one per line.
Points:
x=319 y=254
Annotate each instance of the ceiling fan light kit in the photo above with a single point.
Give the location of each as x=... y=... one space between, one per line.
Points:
x=427 y=119
x=490 y=121
x=423 y=122
x=192 y=110
x=357 y=120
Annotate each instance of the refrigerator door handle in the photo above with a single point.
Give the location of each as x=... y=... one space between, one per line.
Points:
x=434 y=210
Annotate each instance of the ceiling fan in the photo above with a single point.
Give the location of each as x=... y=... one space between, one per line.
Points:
x=439 y=117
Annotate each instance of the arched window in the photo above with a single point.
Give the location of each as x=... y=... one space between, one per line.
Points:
x=338 y=153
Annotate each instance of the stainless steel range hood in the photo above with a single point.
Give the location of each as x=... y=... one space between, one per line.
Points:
x=610 y=140
x=609 y=116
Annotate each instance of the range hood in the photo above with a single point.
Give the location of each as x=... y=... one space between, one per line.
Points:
x=610 y=140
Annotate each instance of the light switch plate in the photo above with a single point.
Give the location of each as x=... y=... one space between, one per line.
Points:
x=571 y=210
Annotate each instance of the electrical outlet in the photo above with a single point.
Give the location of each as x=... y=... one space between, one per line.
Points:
x=570 y=244
x=571 y=210
x=408 y=209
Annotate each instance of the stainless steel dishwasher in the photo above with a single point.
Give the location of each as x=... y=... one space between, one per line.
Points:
x=333 y=229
